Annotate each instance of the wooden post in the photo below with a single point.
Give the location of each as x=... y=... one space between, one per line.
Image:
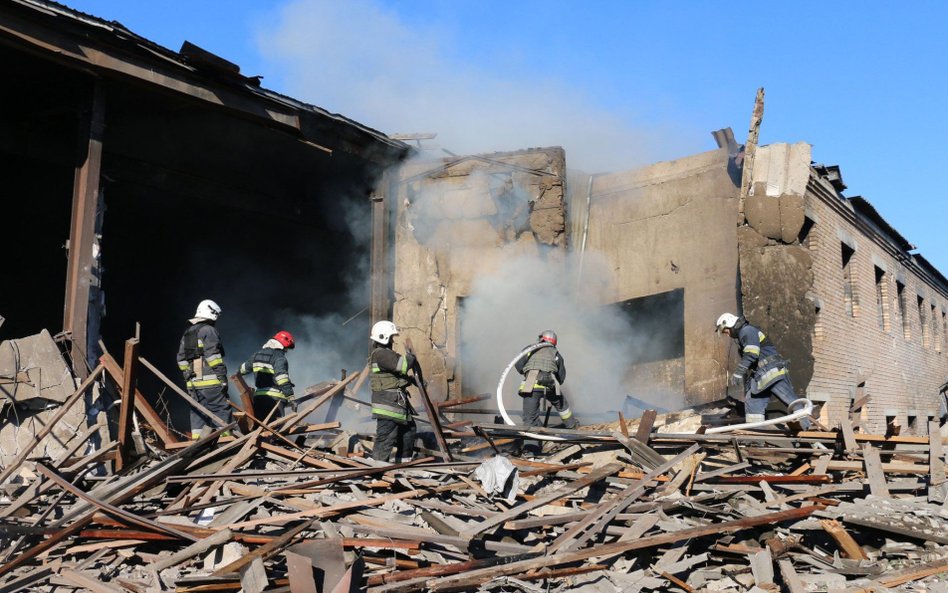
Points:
x=141 y=404
x=750 y=149
x=129 y=376
x=85 y=203
x=429 y=407
x=246 y=402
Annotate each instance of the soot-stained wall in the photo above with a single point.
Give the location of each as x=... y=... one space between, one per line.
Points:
x=456 y=218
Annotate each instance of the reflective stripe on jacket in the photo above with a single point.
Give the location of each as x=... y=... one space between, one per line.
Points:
x=201 y=357
x=271 y=373
x=388 y=379
x=759 y=357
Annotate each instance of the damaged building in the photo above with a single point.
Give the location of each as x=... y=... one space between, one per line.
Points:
x=139 y=181
x=859 y=315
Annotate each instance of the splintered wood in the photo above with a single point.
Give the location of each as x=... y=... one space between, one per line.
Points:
x=639 y=505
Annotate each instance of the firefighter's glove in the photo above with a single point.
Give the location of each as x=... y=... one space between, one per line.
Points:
x=294 y=407
x=737 y=379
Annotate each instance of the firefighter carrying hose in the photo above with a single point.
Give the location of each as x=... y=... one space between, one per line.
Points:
x=391 y=407
x=273 y=388
x=761 y=369
x=543 y=369
x=201 y=362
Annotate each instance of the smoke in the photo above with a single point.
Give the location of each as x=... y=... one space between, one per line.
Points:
x=524 y=295
x=365 y=61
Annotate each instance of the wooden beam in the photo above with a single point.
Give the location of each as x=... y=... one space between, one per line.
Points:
x=845 y=541
x=645 y=426
x=750 y=150
x=429 y=407
x=141 y=404
x=194 y=403
x=85 y=207
x=874 y=471
x=246 y=402
x=63 y=409
x=127 y=410
x=476 y=577
x=597 y=475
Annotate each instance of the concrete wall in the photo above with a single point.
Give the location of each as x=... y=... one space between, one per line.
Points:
x=901 y=372
x=457 y=218
x=672 y=226
x=776 y=275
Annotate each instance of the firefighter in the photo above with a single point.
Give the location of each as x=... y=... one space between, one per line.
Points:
x=761 y=369
x=388 y=379
x=201 y=361
x=274 y=390
x=543 y=369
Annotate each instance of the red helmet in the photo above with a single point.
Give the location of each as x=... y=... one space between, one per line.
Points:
x=548 y=336
x=286 y=338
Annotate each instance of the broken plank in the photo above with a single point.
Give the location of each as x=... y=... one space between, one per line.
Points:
x=592 y=478
x=199 y=547
x=127 y=410
x=14 y=465
x=845 y=541
x=874 y=471
x=141 y=404
x=476 y=577
x=646 y=422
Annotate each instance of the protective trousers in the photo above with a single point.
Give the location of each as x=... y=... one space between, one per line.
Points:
x=264 y=404
x=388 y=434
x=782 y=389
x=214 y=399
x=531 y=408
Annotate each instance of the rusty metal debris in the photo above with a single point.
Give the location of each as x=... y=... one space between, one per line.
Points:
x=638 y=505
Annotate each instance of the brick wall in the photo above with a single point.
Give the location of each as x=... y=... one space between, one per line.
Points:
x=900 y=372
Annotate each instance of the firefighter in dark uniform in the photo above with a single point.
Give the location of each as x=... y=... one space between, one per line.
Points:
x=761 y=369
x=388 y=379
x=201 y=361
x=543 y=369
x=273 y=388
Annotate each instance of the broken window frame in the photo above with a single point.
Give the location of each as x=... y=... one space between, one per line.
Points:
x=882 y=299
x=850 y=296
x=923 y=322
x=903 y=310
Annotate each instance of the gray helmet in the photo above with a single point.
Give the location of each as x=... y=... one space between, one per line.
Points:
x=548 y=336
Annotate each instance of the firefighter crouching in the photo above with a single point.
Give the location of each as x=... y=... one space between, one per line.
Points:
x=201 y=362
x=388 y=379
x=273 y=388
x=761 y=369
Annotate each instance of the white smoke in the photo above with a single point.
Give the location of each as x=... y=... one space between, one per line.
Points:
x=362 y=60
x=511 y=305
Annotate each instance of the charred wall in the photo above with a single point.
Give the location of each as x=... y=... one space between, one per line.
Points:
x=776 y=269
x=456 y=218
x=668 y=229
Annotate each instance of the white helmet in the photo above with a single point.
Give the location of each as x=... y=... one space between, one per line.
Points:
x=726 y=321
x=208 y=309
x=383 y=331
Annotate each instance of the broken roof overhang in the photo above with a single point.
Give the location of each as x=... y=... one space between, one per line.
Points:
x=109 y=49
x=868 y=213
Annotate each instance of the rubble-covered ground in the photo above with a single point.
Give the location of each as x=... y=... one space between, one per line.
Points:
x=642 y=505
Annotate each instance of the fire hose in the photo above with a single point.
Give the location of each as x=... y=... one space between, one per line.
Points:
x=806 y=410
x=805 y=405
x=500 y=394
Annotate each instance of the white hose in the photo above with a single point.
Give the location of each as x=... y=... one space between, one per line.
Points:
x=806 y=411
x=500 y=394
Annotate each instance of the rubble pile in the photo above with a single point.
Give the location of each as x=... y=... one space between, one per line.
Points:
x=646 y=504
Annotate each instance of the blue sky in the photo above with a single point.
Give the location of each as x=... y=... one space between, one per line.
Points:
x=619 y=84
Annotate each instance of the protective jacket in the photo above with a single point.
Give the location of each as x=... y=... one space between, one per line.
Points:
x=271 y=373
x=201 y=357
x=388 y=379
x=760 y=361
x=547 y=364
